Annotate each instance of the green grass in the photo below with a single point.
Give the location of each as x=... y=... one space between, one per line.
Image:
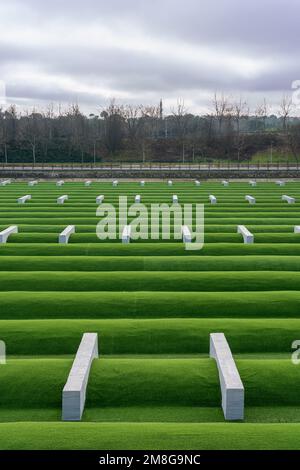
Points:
x=43 y=305
x=149 y=281
x=149 y=436
x=156 y=336
x=153 y=305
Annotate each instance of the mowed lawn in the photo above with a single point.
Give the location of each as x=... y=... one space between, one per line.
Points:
x=153 y=305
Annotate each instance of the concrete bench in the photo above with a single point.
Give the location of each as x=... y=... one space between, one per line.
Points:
x=126 y=234
x=280 y=183
x=99 y=199
x=87 y=183
x=74 y=392
x=250 y=199
x=137 y=199
x=288 y=199
x=252 y=183
x=7 y=232
x=5 y=183
x=225 y=183
x=213 y=199
x=115 y=183
x=65 y=235
x=297 y=229
x=232 y=388
x=143 y=183
x=175 y=199
x=197 y=183
x=247 y=236
x=32 y=183
x=170 y=183
x=24 y=199
x=62 y=199
x=186 y=234
x=60 y=183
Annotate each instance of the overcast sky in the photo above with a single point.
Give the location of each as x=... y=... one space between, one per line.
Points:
x=139 y=51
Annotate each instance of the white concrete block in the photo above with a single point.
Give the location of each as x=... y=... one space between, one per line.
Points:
x=232 y=388
x=126 y=234
x=32 y=183
x=186 y=234
x=297 y=229
x=213 y=199
x=74 y=392
x=87 y=183
x=175 y=199
x=99 y=199
x=24 y=199
x=137 y=199
x=197 y=183
x=252 y=183
x=60 y=183
x=62 y=199
x=143 y=183
x=250 y=199
x=288 y=199
x=115 y=183
x=225 y=183
x=5 y=182
x=247 y=236
x=280 y=183
x=65 y=235
x=7 y=232
x=170 y=183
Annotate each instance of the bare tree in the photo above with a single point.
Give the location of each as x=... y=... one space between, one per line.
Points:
x=222 y=108
x=261 y=113
x=240 y=110
x=180 y=115
x=285 y=109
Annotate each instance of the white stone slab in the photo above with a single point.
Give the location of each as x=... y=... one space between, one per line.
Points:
x=7 y=232
x=24 y=199
x=186 y=234
x=247 y=236
x=175 y=199
x=74 y=392
x=60 y=183
x=126 y=234
x=213 y=199
x=297 y=229
x=62 y=199
x=143 y=183
x=280 y=183
x=65 y=235
x=87 y=183
x=115 y=183
x=99 y=199
x=232 y=389
x=32 y=183
x=252 y=183
x=250 y=199
x=170 y=183
x=197 y=183
x=225 y=183
x=5 y=182
x=288 y=199
x=137 y=199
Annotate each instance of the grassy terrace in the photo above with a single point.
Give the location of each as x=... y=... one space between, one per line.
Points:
x=153 y=305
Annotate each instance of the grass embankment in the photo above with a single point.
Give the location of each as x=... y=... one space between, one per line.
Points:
x=156 y=336
x=130 y=281
x=148 y=249
x=39 y=305
x=156 y=436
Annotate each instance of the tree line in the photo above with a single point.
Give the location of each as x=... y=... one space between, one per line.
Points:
x=143 y=133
